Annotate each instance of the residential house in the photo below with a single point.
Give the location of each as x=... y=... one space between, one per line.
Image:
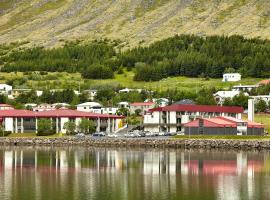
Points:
x=93 y=107
x=143 y=107
x=265 y=98
x=5 y=89
x=244 y=88
x=4 y=106
x=127 y=90
x=123 y=104
x=220 y=96
x=172 y=118
x=231 y=77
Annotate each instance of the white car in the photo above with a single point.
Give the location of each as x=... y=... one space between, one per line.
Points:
x=112 y=135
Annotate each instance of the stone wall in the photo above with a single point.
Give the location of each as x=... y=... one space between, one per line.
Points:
x=141 y=142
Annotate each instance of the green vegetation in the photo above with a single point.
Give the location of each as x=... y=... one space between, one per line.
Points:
x=86 y=126
x=183 y=55
x=45 y=127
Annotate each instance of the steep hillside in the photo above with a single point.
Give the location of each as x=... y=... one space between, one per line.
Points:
x=133 y=21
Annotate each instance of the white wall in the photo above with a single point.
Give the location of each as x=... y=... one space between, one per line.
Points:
x=63 y=121
x=9 y=124
x=152 y=118
x=172 y=117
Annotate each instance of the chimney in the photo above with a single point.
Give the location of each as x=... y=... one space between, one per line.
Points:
x=251 y=110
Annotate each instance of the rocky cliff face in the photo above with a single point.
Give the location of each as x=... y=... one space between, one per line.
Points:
x=47 y=22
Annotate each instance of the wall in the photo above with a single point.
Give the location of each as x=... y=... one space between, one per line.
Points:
x=9 y=124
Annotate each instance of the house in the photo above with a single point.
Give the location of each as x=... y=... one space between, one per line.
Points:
x=244 y=88
x=91 y=94
x=127 y=90
x=231 y=77
x=185 y=102
x=172 y=118
x=265 y=98
x=43 y=107
x=109 y=110
x=25 y=121
x=4 y=106
x=123 y=104
x=160 y=102
x=264 y=82
x=220 y=96
x=143 y=107
x=5 y=89
x=93 y=107
x=222 y=126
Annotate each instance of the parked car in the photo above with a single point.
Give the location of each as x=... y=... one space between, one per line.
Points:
x=80 y=135
x=113 y=135
x=99 y=134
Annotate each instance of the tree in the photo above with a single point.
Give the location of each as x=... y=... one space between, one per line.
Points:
x=261 y=106
x=45 y=127
x=123 y=111
x=86 y=126
x=70 y=127
x=240 y=100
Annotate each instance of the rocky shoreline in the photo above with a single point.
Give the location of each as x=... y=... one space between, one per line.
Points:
x=141 y=142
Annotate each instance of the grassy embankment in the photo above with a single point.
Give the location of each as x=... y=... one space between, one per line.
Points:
x=67 y=80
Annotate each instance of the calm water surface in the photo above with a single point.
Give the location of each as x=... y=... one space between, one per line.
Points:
x=96 y=173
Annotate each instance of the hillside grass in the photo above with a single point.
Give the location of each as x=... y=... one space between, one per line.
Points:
x=55 y=80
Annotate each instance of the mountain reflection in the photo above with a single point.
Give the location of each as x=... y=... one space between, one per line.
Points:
x=99 y=173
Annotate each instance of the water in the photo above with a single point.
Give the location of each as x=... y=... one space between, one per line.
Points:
x=115 y=174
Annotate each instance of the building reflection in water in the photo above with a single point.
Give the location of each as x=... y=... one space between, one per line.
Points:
x=87 y=171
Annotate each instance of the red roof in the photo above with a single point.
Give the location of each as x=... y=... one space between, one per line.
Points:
x=264 y=82
x=200 y=108
x=142 y=104
x=54 y=113
x=222 y=122
x=213 y=122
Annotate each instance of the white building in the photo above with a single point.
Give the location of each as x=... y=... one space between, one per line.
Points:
x=160 y=102
x=231 y=77
x=109 y=110
x=4 y=106
x=93 y=107
x=171 y=118
x=123 y=104
x=127 y=90
x=220 y=96
x=25 y=121
x=5 y=89
x=142 y=106
x=244 y=88
x=43 y=107
x=265 y=98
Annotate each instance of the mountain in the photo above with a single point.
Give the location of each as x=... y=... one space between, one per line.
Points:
x=48 y=22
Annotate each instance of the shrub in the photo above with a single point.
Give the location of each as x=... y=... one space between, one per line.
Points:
x=45 y=127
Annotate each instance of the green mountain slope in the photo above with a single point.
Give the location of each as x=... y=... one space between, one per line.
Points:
x=47 y=22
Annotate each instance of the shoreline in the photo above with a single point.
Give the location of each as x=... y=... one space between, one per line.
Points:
x=208 y=144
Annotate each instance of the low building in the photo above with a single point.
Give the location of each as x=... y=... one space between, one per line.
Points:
x=244 y=88
x=128 y=90
x=222 y=126
x=43 y=107
x=185 y=102
x=231 y=77
x=109 y=110
x=143 y=107
x=4 y=106
x=172 y=118
x=5 y=89
x=220 y=96
x=25 y=121
x=93 y=107
x=159 y=102
x=123 y=104
x=265 y=98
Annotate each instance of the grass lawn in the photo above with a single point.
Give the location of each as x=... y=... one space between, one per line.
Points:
x=74 y=80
